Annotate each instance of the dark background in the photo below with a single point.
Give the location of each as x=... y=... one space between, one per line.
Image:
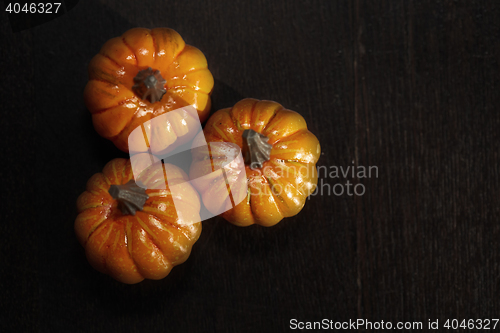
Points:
x=411 y=87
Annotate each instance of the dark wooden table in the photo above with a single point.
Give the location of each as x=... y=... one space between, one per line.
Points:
x=408 y=87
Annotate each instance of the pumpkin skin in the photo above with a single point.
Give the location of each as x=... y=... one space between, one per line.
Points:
x=117 y=109
x=281 y=185
x=144 y=246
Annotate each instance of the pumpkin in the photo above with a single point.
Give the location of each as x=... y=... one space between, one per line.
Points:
x=280 y=156
x=141 y=75
x=132 y=233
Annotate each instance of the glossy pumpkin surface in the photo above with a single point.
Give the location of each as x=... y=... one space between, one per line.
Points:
x=146 y=245
x=280 y=186
x=118 y=107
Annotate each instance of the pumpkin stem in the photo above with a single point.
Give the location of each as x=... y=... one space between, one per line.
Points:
x=256 y=149
x=130 y=197
x=149 y=83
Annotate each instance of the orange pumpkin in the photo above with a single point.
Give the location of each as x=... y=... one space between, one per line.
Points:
x=143 y=74
x=131 y=233
x=280 y=162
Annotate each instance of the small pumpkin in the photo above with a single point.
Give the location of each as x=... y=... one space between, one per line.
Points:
x=141 y=75
x=132 y=233
x=280 y=156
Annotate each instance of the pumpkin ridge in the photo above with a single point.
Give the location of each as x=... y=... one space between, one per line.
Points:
x=295 y=187
x=173 y=225
x=194 y=89
x=126 y=167
x=108 y=181
x=293 y=133
x=114 y=106
x=123 y=130
x=221 y=133
x=280 y=166
x=177 y=227
x=275 y=195
x=157 y=193
x=178 y=87
x=128 y=239
x=115 y=242
x=181 y=199
x=128 y=243
x=112 y=60
x=155 y=211
x=107 y=235
x=95 y=229
x=105 y=81
x=234 y=120
x=271 y=119
x=174 y=41
x=197 y=70
x=132 y=50
x=155 y=245
x=97 y=225
x=146 y=228
x=92 y=206
x=151 y=210
x=115 y=174
x=249 y=202
x=155 y=46
x=253 y=111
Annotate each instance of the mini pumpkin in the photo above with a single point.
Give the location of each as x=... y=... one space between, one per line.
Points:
x=141 y=75
x=280 y=156
x=132 y=233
